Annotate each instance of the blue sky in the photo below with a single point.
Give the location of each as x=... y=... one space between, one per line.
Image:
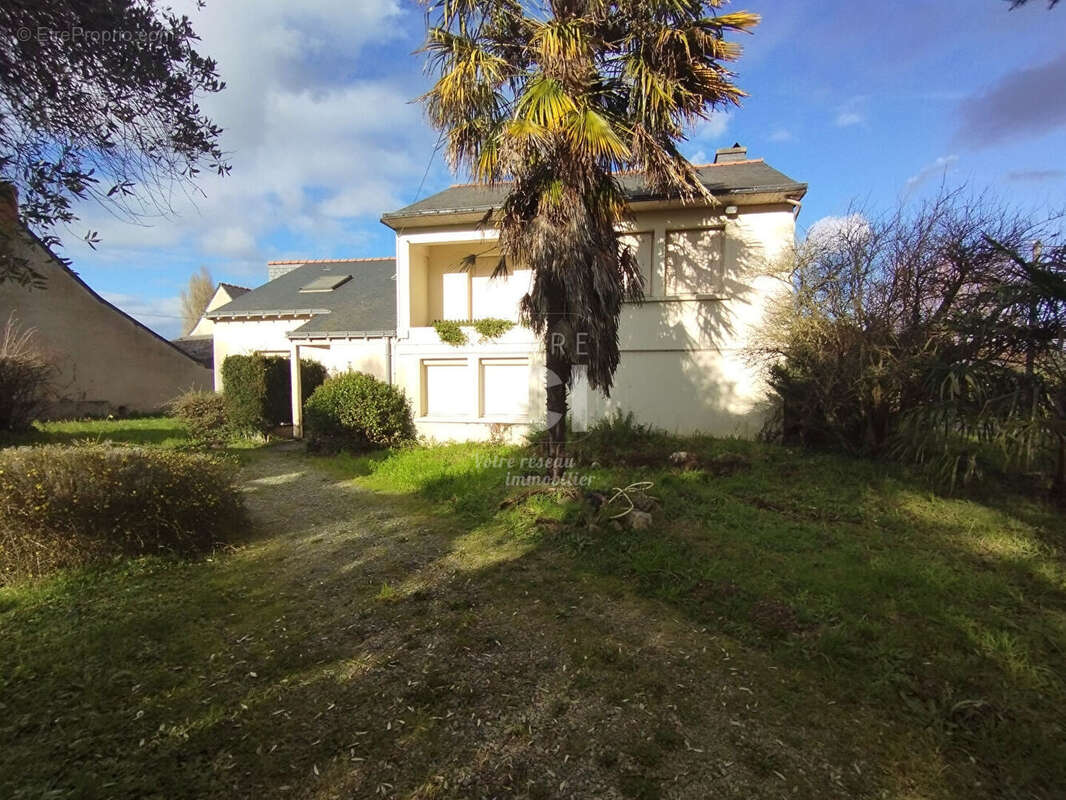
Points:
x=868 y=102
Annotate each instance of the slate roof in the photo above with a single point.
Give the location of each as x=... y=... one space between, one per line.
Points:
x=199 y=348
x=233 y=289
x=364 y=305
x=750 y=176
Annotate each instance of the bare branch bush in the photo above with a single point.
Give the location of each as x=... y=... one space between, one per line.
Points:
x=25 y=376
x=908 y=334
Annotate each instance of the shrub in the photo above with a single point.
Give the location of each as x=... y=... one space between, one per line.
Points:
x=450 y=332
x=617 y=439
x=204 y=414
x=25 y=375
x=258 y=389
x=359 y=411
x=63 y=506
x=492 y=327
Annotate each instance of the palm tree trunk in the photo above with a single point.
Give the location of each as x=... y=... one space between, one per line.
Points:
x=557 y=372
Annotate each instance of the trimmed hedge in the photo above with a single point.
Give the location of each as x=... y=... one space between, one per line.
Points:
x=258 y=390
x=204 y=414
x=357 y=410
x=63 y=506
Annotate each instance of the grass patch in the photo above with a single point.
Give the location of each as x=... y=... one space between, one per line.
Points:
x=166 y=432
x=153 y=431
x=945 y=615
x=791 y=625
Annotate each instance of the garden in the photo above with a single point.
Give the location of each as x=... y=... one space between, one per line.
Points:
x=194 y=606
x=399 y=622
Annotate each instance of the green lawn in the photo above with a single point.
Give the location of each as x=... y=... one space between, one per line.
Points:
x=793 y=625
x=156 y=431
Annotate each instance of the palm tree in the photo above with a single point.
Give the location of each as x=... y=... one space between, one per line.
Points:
x=554 y=99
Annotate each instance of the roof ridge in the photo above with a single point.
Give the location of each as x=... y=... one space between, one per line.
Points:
x=630 y=171
x=233 y=285
x=328 y=260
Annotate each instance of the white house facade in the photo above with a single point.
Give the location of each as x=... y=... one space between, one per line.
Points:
x=339 y=312
x=709 y=270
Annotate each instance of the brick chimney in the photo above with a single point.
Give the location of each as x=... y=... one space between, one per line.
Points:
x=275 y=269
x=725 y=155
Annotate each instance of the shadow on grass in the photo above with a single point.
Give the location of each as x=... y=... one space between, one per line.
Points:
x=419 y=642
x=943 y=614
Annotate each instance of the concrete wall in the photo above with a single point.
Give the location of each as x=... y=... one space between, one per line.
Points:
x=268 y=336
x=108 y=363
x=349 y=355
x=244 y=337
x=708 y=279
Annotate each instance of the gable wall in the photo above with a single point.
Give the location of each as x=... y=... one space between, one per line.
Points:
x=205 y=326
x=106 y=362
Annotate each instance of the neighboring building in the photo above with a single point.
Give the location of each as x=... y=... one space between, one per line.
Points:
x=341 y=313
x=225 y=293
x=709 y=270
x=106 y=361
x=199 y=342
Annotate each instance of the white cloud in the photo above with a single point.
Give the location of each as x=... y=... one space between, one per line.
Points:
x=320 y=141
x=941 y=166
x=715 y=126
x=229 y=240
x=834 y=232
x=162 y=315
x=780 y=135
x=852 y=112
x=845 y=119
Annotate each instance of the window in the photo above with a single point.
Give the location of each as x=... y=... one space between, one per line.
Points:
x=694 y=261
x=325 y=283
x=642 y=245
x=446 y=390
x=505 y=387
x=498 y=297
x=455 y=297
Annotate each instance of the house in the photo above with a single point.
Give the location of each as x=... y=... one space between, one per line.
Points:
x=709 y=270
x=106 y=361
x=340 y=312
x=199 y=343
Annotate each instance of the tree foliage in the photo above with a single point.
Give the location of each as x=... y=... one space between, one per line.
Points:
x=553 y=100
x=927 y=334
x=195 y=297
x=98 y=100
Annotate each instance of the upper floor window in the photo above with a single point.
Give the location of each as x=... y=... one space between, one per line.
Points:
x=694 y=261
x=643 y=246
